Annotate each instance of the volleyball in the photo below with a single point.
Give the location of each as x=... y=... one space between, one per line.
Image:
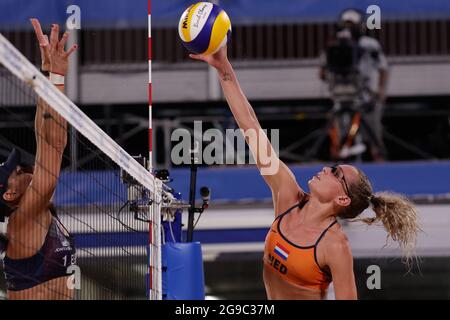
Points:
x=204 y=28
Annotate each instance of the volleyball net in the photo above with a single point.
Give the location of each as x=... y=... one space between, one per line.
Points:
x=105 y=198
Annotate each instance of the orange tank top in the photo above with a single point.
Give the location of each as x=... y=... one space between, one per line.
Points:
x=293 y=263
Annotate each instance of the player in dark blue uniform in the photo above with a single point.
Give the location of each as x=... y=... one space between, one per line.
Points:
x=39 y=249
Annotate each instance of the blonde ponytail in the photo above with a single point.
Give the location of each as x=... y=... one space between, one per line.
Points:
x=399 y=217
x=397 y=214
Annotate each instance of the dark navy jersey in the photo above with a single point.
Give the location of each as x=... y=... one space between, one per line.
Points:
x=50 y=262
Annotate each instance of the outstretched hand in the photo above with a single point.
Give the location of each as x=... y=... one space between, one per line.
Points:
x=53 y=55
x=217 y=60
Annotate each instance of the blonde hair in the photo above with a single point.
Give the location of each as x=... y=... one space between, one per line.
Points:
x=397 y=214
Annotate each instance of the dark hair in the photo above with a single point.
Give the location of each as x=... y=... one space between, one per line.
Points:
x=3 y=244
x=5 y=211
x=397 y=214
x=25 y=168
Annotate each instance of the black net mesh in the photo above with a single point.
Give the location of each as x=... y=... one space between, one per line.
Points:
x=91 y=205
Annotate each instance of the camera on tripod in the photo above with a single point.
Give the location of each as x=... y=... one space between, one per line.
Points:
x=342 y=59
x=348 y=90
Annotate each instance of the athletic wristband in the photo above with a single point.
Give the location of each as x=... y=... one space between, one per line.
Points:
x=56 y=79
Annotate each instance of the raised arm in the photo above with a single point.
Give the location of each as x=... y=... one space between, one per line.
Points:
x=45 y=67
x=277 y=175
x=51 y=128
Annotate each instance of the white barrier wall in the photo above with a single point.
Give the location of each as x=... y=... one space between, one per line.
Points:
x=268 y=80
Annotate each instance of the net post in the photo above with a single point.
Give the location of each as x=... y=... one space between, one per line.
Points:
x=158 y=204
x=154 y=268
